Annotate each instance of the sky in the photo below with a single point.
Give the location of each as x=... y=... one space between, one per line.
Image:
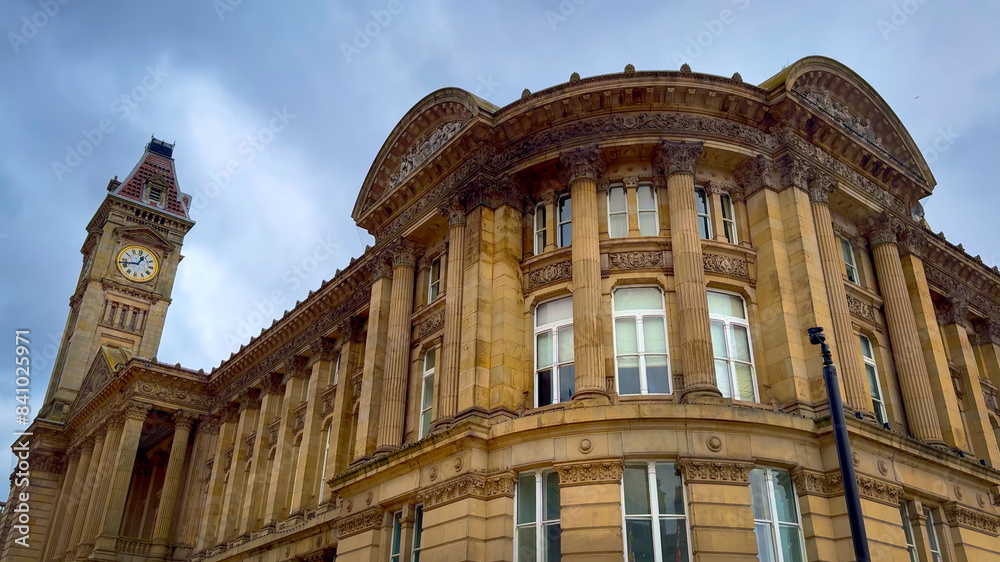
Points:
x=210 y=76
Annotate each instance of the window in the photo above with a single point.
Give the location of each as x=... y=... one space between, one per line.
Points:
x=434 y=280
x=418 y=530
x=322 y=461
x=728 y=219
x=397 y=536
x=704 y=217
x=876 y=390
x=734 y=371
x=641 y=360
x=554 y=374
x=540 y=228
x=904 y=515
x=932 y=538
x=427 y=396
x=155 y=194
x=655 y=524
x=537 y=504
x=617 y=212
x=849 y=263
x=776 y=516
x=564 y=228
x=649 y=222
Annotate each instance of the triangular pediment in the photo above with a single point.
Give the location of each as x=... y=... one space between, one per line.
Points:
x=108 y=361
x=146 y=236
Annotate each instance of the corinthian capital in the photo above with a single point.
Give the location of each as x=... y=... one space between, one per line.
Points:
x=754 y=174
x=912 y=240
x=879 y=228
x=678 y=156
x=820 y=187
x=404 y=253
x=792 y=171
x=582 y=163
x=136 y=410
x=454 y=211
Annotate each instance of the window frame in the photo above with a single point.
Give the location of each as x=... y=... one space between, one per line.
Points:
x=911 y=543
x=396 y=537
x=654 y=508
x=728 y=322
x=560 y=222
x=655 y=210
x=878 y=404
x=613 y=214
x=933 y=540
x=540 y=216
x=729 y=223
x=638 y=316
x=774 y=524
x=425 y=374
x=418 y=530
x=707 y=215
x=557 y=365
x=850 y=268
x=540 y=522
x=434 y=285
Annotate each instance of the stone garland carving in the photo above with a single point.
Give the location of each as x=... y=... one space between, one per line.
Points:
x=678 y=156
x=474 y=484
x=860 y=308
x=590 y=472
x=431 y=324
x=360 y=522
x=726 y=265
x=962 y=516
x=716 y=471
x=841 y=113
x=422 y=150
x=169 y=393
x=550 y=274
x=635 y=260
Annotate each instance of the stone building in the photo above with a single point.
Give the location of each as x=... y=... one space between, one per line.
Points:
x=580 y=334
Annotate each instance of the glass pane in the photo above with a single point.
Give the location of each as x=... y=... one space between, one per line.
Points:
x=744 y=382
x=396 y=520
x=628 y=374
x=644 y=195
x=539 y=242
x=701 y=202
x=618 y=226
x=566 y=344
x=655 y=335
x=758 y=495
x=554 y=311
x=543 y=387
x=616 y=200
x=539 y=218
x=673 y=540
x=428 y=392
x=526 y=550
x=565 y=234
x=741 y=343
x=728 y=227
x=565 y=209
x=725 y=304
x=552 y=547
x=638 y=298
x=526 y=498
x=791 y=543
x=784 y=496
x=727 y=207
x=543 y=350
x=625 y=336
x=722 y=379
x=657 y=374
x=647 y=224
x=639 y=535
x=703 y=230
x=669 y=494
x=866 y=347
x=765 y=543
x=845 y=246
x=436 y=271
x=567 y=382
x=418 y=527
x=550 y=489
x=636 y=482
x=719 y=347
x=429 y=359
x=873 y=382
x=425 y=423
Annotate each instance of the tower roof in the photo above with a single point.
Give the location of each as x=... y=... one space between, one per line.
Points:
x=156 y=168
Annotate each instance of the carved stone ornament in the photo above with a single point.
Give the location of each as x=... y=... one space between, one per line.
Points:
x=45 y=462
x=961 y=516
x=454 y=211
x=879 y=490
x=860 y=308
x=879 y=229
x=988 y=331
x=422 y=150
x=582 y=163
x=272 y=384
x=297 y=366
x=954 y=309
x=715 y=471
x=813 y=483
x=473 y=484
x=755 y=174
x=678 y=156
x=403 y=253
x=431 y=324
x=135 y=410
x=324 y=349
x=550 y=274
x=635 y=260
x=912 y=240
x=792 y=171
x=820 y=187
x=590 y=472
x=842 y=114
x=360 y=522
x=631 y=181
x=726 y=265
x=184 y=420
x=379 y=267
x=249 y=398
x=164 y=391
x=714 y=443
x=352 y=329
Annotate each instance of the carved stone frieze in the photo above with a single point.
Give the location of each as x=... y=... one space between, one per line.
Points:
x=726 y=265
x=422 y=150
x=879 y=490
x=431 y=324
x=582 y=163
x=590 y=472
x=550 y=274
x=860 y=308
x=842 y=114
x=359 y=522
x=961 y=516
x=813 y=483
x=635 y=260
x=987 y=331
x=473 y=484
x=175 y=394
x=678 y=156
x=950 y=285
x=715 y=471
x=47 y=462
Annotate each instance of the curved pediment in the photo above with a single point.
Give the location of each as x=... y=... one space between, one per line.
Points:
x=830 y=89
x=426 y=128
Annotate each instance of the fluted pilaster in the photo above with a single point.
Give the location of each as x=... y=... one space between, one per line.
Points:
x=183 y=423
x=393 y=408
x=448 y=396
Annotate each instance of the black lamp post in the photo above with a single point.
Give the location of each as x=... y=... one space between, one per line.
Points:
x=854 y=515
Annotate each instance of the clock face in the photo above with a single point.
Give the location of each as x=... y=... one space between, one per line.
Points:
x=137 y=263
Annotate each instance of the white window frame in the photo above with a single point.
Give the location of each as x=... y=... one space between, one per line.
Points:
x=729 y=223
x=434 y=285
x=878 y=402
x=396 y=538
x=418 y=531
x=638 y=316
x=850 y=267
x=933 y=541
x=728 y=322
x=322 y=460
x=774 y=524
x=427 y=410
x=540 y=219
x=655 y=211
x=539 y=523
x=911 y=545
x=654 y=508
x=559 y=222
x=557 y=364
x=707 y=215
x=612 y=214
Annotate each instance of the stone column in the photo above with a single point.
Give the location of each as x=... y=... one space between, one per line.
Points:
x=68 y=492
x=393 y=408
x=195 y=487
x=584 y=167
x=86 y=496
x=275 y=507
x=208 y=532
x=351 y=359
x=448 y=382
x=99 y=497
x=135 y=415
x=171 y=483
x=847 y=346
x=77 y=496
x=677 y=162
x=913 y=380
x=719 y=508
x=258 y=483
x=242 y=451
x=375 y=358
x=324 y=355
x=591 y=509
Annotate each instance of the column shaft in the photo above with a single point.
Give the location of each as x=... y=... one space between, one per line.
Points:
x=171 y=483
x=99 y=499
x=86 y=495
x=258 y=482
x=448 y=395
x=77 y=499
x=984 y=442
x=276 y=507
x=390 y=428
x=236 y=487
x=306 y=469
x=67 y=493
x=588 y=336
x=216 y=485
x=374 y=365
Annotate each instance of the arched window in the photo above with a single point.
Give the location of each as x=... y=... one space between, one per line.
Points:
x=564 y=227
x=540 y=228
x=427 y=394
x=734 y=371
x=641 y=362
x=873 y=383
x=554 y=370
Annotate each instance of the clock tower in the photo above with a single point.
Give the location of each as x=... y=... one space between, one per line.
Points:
x=130 y=259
